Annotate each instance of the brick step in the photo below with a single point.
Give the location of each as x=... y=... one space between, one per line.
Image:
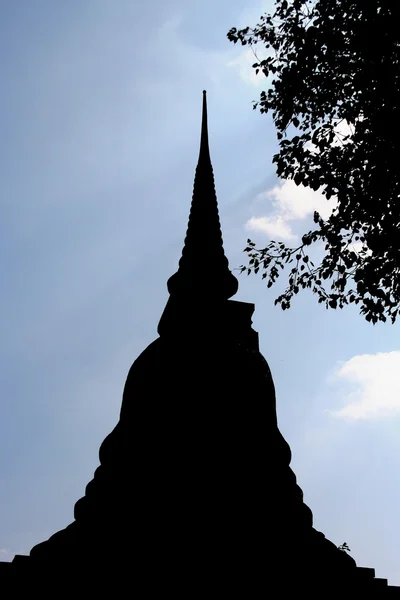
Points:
x=379 y=582
x=365 y=572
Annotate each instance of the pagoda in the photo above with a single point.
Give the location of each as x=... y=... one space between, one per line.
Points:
x=194 y=495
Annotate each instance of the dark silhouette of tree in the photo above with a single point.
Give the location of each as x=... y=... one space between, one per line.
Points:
x=336 y=62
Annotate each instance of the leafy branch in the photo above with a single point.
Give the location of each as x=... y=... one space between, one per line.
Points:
x=326 y=75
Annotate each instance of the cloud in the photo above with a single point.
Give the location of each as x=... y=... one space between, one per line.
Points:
x=375 y=379
x=297 y=202
x=274 y=227
x=243 y=63
x=289 y=203
x=357 y=247
x=342 y=130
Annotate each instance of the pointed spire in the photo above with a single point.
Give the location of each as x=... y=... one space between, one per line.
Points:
x=204 y=154
x=203 y=269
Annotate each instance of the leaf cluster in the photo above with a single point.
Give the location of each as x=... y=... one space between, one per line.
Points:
x=334 y=97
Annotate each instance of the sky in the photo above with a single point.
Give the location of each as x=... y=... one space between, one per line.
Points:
x=100 y=120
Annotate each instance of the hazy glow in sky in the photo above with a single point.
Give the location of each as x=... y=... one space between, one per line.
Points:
x=100 y=120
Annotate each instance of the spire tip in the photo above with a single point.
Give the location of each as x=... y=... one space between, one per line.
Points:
x=203 y=236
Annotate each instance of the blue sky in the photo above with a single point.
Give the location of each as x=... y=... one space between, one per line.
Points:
x=100 y=121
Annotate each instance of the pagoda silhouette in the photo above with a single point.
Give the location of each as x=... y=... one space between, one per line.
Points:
x=194 y=496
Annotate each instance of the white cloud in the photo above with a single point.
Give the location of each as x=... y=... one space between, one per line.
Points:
x=358 y=246
x=297 y=202
x=275 y=227
x=243 y=63
x=290 y=202
x=376 y=386
x=342 y=129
